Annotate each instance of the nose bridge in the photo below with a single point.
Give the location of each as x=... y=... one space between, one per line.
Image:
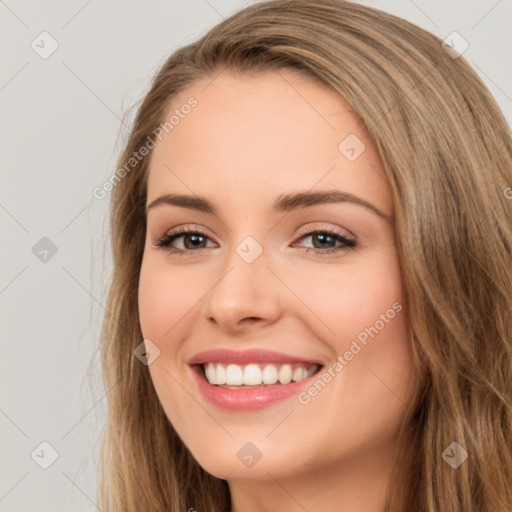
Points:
x=245 y=270
x=244 y=290
x=246 y=263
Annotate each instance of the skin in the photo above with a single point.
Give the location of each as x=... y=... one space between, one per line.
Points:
x=251 y=139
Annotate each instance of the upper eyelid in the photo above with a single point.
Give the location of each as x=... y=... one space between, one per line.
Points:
x=317 y=227
x=187 y=230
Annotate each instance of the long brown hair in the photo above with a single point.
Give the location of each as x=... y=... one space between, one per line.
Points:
x=447 y=152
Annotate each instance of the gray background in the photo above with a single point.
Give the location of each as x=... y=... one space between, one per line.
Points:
x=61 y=132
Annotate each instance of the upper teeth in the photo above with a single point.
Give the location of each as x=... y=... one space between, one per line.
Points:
x=256 y=374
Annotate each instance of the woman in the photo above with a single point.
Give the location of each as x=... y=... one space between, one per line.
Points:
x=311 y=300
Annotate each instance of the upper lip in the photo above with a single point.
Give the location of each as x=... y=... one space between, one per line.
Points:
x=247 y=356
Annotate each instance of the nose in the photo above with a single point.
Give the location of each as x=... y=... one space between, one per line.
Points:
x=247 y=296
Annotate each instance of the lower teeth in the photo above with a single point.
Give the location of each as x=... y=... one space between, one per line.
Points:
x=243 y=386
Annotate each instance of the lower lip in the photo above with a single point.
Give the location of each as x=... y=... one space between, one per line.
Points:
x=247 y=399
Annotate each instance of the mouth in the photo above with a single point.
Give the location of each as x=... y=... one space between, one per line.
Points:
x=250 y=379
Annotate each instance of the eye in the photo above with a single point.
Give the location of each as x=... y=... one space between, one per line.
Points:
x=324 y=241
x=192 y=239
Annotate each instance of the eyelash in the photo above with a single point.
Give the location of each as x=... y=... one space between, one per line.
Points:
x=165 y=241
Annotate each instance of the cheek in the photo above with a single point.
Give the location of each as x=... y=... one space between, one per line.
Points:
x=349 y=298
x=164 y=298
x=166 y=301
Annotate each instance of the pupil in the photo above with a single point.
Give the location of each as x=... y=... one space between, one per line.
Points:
x=194 y=239
x=323 y=238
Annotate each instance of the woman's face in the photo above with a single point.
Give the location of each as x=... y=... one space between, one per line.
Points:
x=289 y=267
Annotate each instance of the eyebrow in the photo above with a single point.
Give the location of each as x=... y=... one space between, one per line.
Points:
x=284 y=203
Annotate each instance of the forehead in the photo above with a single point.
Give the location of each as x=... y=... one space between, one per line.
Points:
x=257 y=135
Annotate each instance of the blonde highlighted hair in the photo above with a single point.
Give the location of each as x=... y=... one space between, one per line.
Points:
x=447 y=153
